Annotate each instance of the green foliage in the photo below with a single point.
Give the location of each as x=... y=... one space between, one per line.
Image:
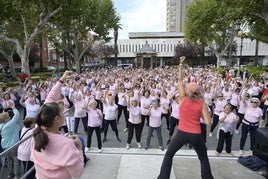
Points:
x=255 y=71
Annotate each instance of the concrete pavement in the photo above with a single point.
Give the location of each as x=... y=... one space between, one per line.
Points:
x=119 y=163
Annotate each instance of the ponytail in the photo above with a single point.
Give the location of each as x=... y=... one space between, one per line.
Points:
x=41 y=139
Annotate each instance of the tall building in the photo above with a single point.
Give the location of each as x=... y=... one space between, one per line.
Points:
x=176 y=15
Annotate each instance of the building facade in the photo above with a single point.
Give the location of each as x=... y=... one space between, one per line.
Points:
x=176 y=15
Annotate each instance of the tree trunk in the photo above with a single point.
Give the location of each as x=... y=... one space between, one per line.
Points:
x=11 y=66
x=24 y=55
x=41 y=53
x=115 y=44
x=256 y=53
x=218 y=56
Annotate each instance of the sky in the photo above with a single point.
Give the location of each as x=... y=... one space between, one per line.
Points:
x=141 y=16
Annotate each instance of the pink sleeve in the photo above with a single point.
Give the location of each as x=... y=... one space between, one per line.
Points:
x=75 y=164
x=54 y=94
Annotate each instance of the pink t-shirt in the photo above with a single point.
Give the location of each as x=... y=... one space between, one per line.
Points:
x=79 y=108
x=94 y=117
x=134 y=115
x=155 y=117
x=145 y=102
x=253 y=114
x=61 y=159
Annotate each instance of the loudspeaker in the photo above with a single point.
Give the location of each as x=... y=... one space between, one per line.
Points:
x=260 y=148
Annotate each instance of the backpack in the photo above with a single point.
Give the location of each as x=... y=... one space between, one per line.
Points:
x=252 y=162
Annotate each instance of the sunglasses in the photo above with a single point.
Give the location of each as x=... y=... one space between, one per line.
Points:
x=220 y=96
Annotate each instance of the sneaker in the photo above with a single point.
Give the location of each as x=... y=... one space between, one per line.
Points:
x=236 y=131
x=168 y=141
x=231 y=154
x=210 y=134
x=128 y=147
x=118 y=139
x=125 y=130
x=99 y=150
x=87 y=149
x=146 y=147
x=139 y=145
x=104 y=139
x=250 y=152
x=162 y=148
x=241 y=152
x=217 y=154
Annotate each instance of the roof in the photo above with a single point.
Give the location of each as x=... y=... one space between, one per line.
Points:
x=146 y=49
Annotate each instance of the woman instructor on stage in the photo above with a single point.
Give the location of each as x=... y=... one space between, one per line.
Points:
x=192 y=107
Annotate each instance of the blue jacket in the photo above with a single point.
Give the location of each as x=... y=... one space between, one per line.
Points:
x=10 y=131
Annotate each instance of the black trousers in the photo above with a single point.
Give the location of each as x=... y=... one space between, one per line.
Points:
x=126 y=114
x=176 y=143
x=131 y=128
x=227 y=137
x=166 y=116
x=113 y=125
x=143 y=119
x=173 y=122
x=215 y=122
x=98 y=135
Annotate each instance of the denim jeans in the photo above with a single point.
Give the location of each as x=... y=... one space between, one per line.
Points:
x=150 y=133
x=245 y=129
x=13 y=164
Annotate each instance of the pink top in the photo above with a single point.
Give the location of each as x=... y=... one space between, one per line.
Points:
x=253 y=114
x=24 y=150
x=134 y=115
x=145 y=102
x=60 y=160
x=79 y=108
x=219 y=106
x=94 y=117
x=155 y=117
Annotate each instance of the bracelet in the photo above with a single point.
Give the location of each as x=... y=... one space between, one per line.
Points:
x=61 y=81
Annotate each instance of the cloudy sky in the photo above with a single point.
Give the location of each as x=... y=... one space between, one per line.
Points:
x=141 y=16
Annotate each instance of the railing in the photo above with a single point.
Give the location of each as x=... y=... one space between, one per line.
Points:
x=2 y=156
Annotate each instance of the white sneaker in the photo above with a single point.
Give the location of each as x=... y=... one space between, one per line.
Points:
x=139 y=145
x=241 y=152
x=250 y=152
x=236 y=131
x=99 y=150
x=125 y=130
x=210 y=134
x=87 y=149
x=127 y=147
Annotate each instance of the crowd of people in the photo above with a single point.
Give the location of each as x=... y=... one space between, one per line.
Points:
x=146 y=98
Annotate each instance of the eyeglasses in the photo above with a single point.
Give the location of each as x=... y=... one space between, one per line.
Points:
x=247 y=96
x=254 y=102
x=220 y=96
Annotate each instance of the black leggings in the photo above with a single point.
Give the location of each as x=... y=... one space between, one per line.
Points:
x=215 y=122
x=131 y=128
x=113 y=125
x=181 y=138
x=89 y=136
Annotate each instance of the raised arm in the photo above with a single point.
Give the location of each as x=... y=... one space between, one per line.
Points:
x=206 y=114
x=181 y=88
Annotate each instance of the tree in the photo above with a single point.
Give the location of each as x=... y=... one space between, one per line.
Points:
x=188 y=50
x=86 y=21
x=22 y=21
x=7 y=49
x=213 y=23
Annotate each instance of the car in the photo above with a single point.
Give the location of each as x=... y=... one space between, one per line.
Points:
x=125 y=66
